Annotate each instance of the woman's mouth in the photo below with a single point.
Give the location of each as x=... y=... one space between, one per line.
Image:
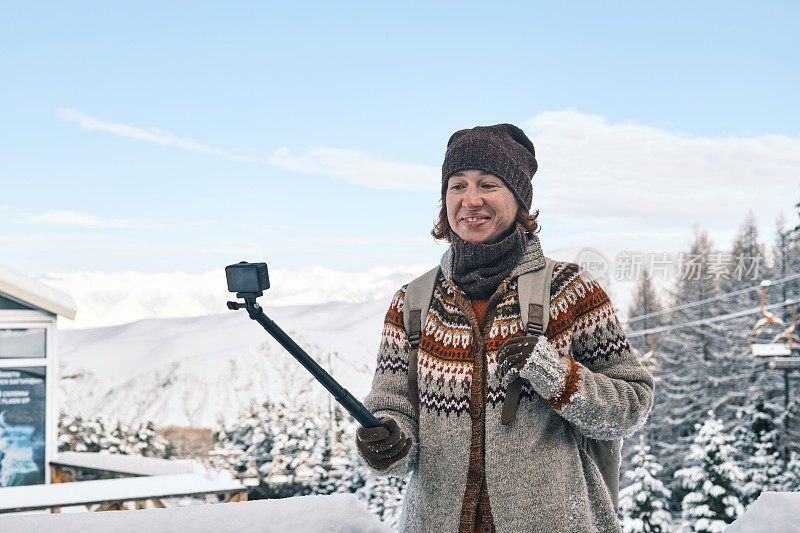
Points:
x=474 y=222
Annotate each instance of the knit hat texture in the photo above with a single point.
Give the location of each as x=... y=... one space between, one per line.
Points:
x=503 y=150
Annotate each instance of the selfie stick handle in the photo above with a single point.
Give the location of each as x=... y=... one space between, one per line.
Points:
x=340 y=394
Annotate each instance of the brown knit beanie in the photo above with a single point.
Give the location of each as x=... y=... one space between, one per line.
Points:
x=503 y=150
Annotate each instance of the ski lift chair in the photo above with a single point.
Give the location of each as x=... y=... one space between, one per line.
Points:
x=788 y=336
x=647 y=359
x=768 y=320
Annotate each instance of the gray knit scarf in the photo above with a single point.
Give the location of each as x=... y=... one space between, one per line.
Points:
x=478 y=269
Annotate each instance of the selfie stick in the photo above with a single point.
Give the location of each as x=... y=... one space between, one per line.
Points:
x=340 y=394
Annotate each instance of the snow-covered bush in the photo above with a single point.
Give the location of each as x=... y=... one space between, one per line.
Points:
x=642 y=502
x=303 y=450
x=712 y=478
x=102 y=434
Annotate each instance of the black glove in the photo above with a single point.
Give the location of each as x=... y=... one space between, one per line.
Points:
x=513 y=354
x=384 y=445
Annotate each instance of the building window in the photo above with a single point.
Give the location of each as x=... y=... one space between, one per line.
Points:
x=22 y=343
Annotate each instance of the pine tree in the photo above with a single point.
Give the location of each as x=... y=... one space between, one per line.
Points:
x=687 y=357
x=786 y=261
x=645 y=301
x=102 y=434
x=384 y=497
x=304 y=450
x=757 y=442
x=712 y=478
x=642 y=502
x=790 y=479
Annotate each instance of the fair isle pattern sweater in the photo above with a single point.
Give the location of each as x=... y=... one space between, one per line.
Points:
x=582 y=372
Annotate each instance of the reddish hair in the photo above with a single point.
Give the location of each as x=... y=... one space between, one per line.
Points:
x=442 y=228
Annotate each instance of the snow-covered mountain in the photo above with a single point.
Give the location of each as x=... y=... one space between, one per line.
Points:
x=190 y=371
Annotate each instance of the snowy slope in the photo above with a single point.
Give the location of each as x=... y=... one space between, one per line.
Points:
x=189 y=371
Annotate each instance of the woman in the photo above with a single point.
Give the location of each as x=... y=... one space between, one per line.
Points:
x=469 y=471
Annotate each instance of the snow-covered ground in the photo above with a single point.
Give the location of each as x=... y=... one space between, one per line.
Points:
x=772 y=512
x=335 y=513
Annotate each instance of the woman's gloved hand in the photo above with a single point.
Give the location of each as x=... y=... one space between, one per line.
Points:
x=384 y=445
x=512 y=356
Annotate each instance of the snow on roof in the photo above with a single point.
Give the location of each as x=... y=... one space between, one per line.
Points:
x=126 y=464
x=335 y=513
x=36 y=293
x=771 y=512
x=105 y=490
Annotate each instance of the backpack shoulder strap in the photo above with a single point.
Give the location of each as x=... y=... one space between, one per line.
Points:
x=415 y=309
x=533 y=289
x=534 y=298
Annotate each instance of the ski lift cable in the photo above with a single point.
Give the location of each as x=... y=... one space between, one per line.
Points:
x=708 y=300
x=710 y=320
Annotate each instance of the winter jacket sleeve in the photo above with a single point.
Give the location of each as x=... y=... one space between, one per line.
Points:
x=389 y=394
x=590 y=374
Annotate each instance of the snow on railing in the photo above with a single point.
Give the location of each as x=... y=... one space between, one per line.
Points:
x=335 y=513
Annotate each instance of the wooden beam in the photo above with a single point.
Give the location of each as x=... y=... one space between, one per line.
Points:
x=237 y=497
x=113 y=506
x=59 y=475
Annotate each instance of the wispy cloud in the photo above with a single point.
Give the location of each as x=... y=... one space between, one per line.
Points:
x=84 y=220
x=617 y=176
x=358 y=167
x=353 y=166
x=153 y=135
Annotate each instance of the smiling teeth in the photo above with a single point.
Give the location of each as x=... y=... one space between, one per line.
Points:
x=474 y=219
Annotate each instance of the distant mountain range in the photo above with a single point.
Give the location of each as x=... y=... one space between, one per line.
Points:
x=192 y=371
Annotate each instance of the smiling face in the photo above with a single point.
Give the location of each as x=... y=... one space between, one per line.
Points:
x=480 y=208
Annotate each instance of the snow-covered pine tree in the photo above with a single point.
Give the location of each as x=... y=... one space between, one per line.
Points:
x=712 y=478
x=102 y=434
x=645 y=301
x=300 y=451
x=642 y=502
x=288 y=447
x=688 y=357
x=757 y=444
x=786 y=261
x=384 y=497
x=791 y=474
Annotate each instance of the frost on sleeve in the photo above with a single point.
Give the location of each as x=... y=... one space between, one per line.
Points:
x=603 y=390
x=389 y=394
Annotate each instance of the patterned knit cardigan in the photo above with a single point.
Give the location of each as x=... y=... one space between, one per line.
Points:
x=538 y=477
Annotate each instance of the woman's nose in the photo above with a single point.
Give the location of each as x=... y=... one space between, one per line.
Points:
x=473 y=198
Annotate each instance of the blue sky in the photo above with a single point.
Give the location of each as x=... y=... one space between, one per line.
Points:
x=187 y=136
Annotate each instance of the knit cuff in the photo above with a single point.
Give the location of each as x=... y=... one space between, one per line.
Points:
x=554 y=377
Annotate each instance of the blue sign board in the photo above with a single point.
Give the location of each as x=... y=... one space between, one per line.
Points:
x=22 y=426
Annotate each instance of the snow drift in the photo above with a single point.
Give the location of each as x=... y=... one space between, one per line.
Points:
x=334 y=513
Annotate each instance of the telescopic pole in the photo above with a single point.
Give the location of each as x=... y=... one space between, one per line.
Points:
x=340 y=394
